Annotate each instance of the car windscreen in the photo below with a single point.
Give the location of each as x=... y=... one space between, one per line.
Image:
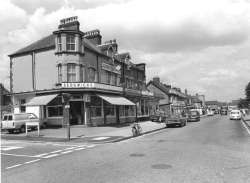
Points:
x=194 y=113
x=5 y=118
x=235 y=112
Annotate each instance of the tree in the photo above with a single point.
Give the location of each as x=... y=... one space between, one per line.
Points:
x=247 y=92
x=243 y=103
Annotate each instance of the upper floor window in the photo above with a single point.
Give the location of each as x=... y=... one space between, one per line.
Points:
x=70 y=43
x=71 y=73
x=59 y=43
x=59 y=73
x=82 y=73
x=92 y=75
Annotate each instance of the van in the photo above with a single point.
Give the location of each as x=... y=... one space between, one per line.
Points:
x=12 y=122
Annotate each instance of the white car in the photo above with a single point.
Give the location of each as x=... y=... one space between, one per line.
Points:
x=235 y=114
x=210 y=113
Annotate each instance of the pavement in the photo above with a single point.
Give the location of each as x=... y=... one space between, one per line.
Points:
x=102 y=134
x=80 y=133
x=246 y=119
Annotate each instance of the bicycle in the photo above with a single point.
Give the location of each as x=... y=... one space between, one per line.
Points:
x=136 y=129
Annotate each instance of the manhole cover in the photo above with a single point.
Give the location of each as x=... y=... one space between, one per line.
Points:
x=161 y=166
x=161 y=141
x=137 y=155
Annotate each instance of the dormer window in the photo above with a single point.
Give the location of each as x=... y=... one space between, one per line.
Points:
x=70 y=43
x=59 y=43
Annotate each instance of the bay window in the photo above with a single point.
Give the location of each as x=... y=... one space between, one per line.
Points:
x=71 y=72
x=70 y=43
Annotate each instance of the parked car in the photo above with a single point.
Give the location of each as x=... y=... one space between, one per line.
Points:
x=159 y=116
x=210 y=113
x=223 y=112
x=193 y=116
x=179 y=120
x=16 y=122
x=235 y=114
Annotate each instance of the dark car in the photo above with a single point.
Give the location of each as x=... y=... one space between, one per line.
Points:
x=159 y=116
x=193 y=116
x=223 y=112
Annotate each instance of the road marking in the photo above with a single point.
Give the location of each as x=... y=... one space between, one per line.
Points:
x=78 y=149
x=56 y=151
x=44 y=154
x=50 y=156
x=248 y=131
x=13 y=166
x=21 y=155
x=100 y=138
x=65 y=152
x=32 y=161
x=89 y=146
x=7 y=148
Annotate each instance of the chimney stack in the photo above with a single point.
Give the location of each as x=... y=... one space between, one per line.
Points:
x=70 y=23
x=94 y=36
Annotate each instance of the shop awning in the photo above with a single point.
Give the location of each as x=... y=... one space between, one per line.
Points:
x=116 y=100
x=41 y=100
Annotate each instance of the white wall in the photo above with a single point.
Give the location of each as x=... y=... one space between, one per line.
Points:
x=46 y=70
x=22 y=74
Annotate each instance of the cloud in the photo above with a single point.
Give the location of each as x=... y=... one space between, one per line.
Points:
x=189 y=44
x=30 y=6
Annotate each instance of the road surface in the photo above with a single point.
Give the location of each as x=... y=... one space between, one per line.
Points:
x=215 y=149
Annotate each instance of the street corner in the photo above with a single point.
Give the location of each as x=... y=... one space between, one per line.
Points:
x=101 y=139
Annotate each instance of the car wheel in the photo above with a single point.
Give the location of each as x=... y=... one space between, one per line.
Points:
x=22 y=129
x=10 y=131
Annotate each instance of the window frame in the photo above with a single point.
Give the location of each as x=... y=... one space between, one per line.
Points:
x=70 y=42
x=59 y=43
x=70 y=73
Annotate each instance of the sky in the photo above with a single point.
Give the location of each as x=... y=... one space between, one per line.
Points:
x=199 y=45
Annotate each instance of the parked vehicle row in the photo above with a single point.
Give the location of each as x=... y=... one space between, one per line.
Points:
x=175 y=119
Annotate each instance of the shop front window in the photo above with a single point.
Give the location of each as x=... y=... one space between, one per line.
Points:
x=55 y=111
x=71 y=72
x=95 y=106
x=109 y=109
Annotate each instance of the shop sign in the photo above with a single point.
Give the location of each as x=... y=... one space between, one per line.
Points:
x=91 y=86
x=111 y=68
x=78 y=85
x=145 y=92
x=86 y=98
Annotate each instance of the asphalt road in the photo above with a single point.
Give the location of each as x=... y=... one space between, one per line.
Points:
x=212 y=150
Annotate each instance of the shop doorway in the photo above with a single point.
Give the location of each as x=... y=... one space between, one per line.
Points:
x=76 y=113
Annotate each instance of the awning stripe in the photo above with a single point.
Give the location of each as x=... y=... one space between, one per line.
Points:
x=41 y=100
x=116 y=100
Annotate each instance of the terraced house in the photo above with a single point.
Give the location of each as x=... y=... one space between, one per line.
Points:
x=172 y=101
x=105 y=86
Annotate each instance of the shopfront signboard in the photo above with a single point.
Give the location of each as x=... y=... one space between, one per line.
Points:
x=91 y=86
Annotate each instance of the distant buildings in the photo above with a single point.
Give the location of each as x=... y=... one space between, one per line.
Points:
x=173 y=100
x=5 y=100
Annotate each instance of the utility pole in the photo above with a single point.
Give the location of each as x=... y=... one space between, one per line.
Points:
x=66 y=106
